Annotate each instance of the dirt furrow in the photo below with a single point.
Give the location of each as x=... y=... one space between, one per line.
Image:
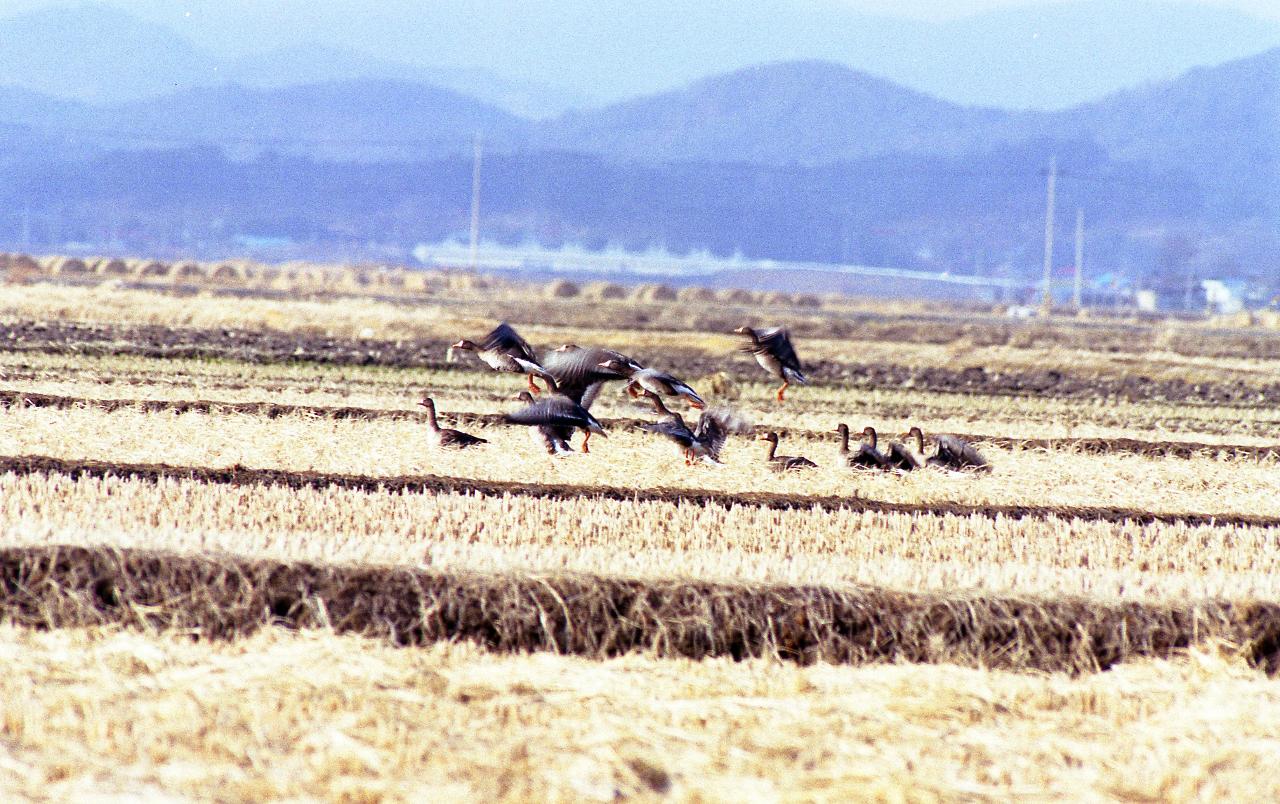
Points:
x=226 y=597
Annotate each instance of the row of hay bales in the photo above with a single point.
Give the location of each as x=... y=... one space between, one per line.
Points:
x=289 y=276
x=656 y=293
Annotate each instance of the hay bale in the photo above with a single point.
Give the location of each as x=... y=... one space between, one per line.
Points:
x=737 y=296
x=776 y=298
x=67 y=266
x=149 y=268
x=696 y=295
x=111 y=266
x=187 y=271
x=806 y=300
x=604 y=291
x=655 y=293
x=416 y=282
x=24 y=263
x=563 y=289
x=227 y=272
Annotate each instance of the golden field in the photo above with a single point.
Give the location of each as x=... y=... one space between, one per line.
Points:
x=318 y=714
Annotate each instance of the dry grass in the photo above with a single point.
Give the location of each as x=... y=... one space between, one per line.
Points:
x=93 y=714
x=943 y=554
x=632 y=459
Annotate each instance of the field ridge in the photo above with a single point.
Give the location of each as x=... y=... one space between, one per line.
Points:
x=225 y=597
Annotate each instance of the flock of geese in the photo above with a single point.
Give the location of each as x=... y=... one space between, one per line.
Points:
x=574 y=376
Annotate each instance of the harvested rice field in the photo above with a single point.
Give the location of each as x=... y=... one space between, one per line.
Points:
x=234 y=565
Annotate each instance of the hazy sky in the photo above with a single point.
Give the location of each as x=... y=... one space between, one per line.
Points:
x=165 y=10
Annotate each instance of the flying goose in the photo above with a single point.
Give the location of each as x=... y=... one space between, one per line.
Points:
x=654 y=381
x=559 y=412
x=775 y=354
x=504 y=350
x=704 y=441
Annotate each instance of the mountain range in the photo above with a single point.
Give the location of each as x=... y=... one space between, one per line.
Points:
x=539 y=58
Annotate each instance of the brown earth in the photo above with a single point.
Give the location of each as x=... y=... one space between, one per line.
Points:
x=272 y=410
x=271 y=346
x=418 y=484
x=225 y=597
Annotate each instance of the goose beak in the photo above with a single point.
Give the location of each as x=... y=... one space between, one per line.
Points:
x=458 y=345
x=740 y=331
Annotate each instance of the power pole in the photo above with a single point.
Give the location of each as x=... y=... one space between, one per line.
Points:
x=475 y=201
x=1046 y=305
x=26 y=228
x=1079 y=283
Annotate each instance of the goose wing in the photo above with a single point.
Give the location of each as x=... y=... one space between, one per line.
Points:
x=555 y=411
x=576 y=370
x=711 y=432
x=959 y=454
x=660 y=382
x=777 y=342
x=900 y=457
x=505 y=339
x=674 y=429
x=457 y=438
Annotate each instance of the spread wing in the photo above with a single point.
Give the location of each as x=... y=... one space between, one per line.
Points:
x=576 y=370
x=674 y=429
x=555 y=412
x=504 y=338
x=777 y=341
x=712 y=432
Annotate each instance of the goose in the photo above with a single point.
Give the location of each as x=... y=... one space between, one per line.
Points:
x=952 y=453
x=898 y=456
x=559 y=412
x=578 y=372
x=866 y=456
x=783 y=463
x=504 y=350
x=654 y=381
x=554 y=439
x=443 y=436
x=704 y=441
x=775 y=354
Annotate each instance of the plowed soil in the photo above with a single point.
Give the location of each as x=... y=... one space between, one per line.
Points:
x=270 y=346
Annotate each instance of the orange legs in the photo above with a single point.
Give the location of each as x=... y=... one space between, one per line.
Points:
x=533 y=388
x=783 y=389
x=585 y=439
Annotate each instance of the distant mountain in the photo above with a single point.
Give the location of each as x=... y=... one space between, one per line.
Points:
x=539 y=57
x=360 y=119
x=796 y=112
x=97 y=54
x=312 y=63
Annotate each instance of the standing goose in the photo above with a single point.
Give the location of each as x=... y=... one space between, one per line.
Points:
x=559 y=412
x=866 y=456
x=554 y=439
x=952 y=453
x=775 y=354
x=443 y=436
x=645 y=381
x=704 y=441
x=783 y=463
x=504 y=350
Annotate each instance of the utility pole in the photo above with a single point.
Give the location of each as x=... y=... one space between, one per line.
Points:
x=1079 y=283
x=1046 y=304
x=475 y=201
x=26 y=228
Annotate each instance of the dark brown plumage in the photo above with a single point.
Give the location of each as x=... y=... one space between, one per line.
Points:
x=951 y=453
x=443 y=436
x=775 y=354
x=783 y=463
